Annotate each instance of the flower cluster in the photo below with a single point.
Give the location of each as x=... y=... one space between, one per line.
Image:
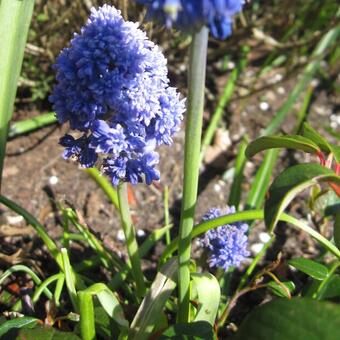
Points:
x=113 y=88
x=188 y=15
x=227 y=243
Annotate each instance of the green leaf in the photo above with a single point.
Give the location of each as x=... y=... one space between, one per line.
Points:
x=309 y=267
x=279 y=290
x=236 y=188
x=324 y=145
x=289 y=184
x=70 y=279
x=152 y=305
x=24 y=322
x=87 y=324
x=297 y=319
x=313 y=135
x=104 y=324
x=260 y=184
x=45 y=333
x=289 y=141
x=331 y=289
x=205 y=284
x=200 y=330
x=105 y=185
x=109 y=302
x=31 y=124
x=40 y=230
x=15 y=18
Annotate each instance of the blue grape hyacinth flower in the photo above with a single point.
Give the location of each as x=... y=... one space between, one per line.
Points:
x=228 y=243
x=112 y=87
x=189 y=15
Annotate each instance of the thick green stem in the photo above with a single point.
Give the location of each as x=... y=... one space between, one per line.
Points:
x=130 y=237
x=197 y=67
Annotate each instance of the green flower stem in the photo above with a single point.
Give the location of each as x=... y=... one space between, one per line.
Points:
x=87 y=323
x=197 y=67
x=130 y=237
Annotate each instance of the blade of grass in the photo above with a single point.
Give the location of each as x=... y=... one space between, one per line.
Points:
x=70 y=279
x=44 y=285
x=235 y=191
x=143 y=250
x=130 y=239
x=261 y=182
x=31 y=220
x=250 y=215
x=308 y=73
x=223 y=102
x=105 y=185
x=31 y=124
x=30 y=272
x=166 y=214
x=15 y=18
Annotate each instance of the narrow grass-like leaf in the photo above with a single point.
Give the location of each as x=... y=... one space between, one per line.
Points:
x=70 y=279
x=288 y=141
x=149 y=311
x=108 y=259
x=324 y=145
x=31 y=124
x=223 y=101
x=31 y=220
x=327 y=40
x=236 y=188
x=261 y=182
x=209 y=293
x=313 y=269
x=109 y=302
x=30 y=272
x=15 y=18
x=251 y=215
x=155 y=236
x=105 y=185
x=289 y=184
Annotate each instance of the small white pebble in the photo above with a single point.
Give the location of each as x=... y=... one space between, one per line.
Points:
x=231 y=65
x=333 y=125
x=217 y=187
x=53 y=180
x=264 y=106
x=256 y=248
x=315 y=82
x=264 y=237
x=120 y=235
x=14 y=219
x=281 y=90
x=278 y=77
x=140 y=233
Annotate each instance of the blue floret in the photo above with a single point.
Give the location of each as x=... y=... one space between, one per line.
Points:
x=228 y=243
